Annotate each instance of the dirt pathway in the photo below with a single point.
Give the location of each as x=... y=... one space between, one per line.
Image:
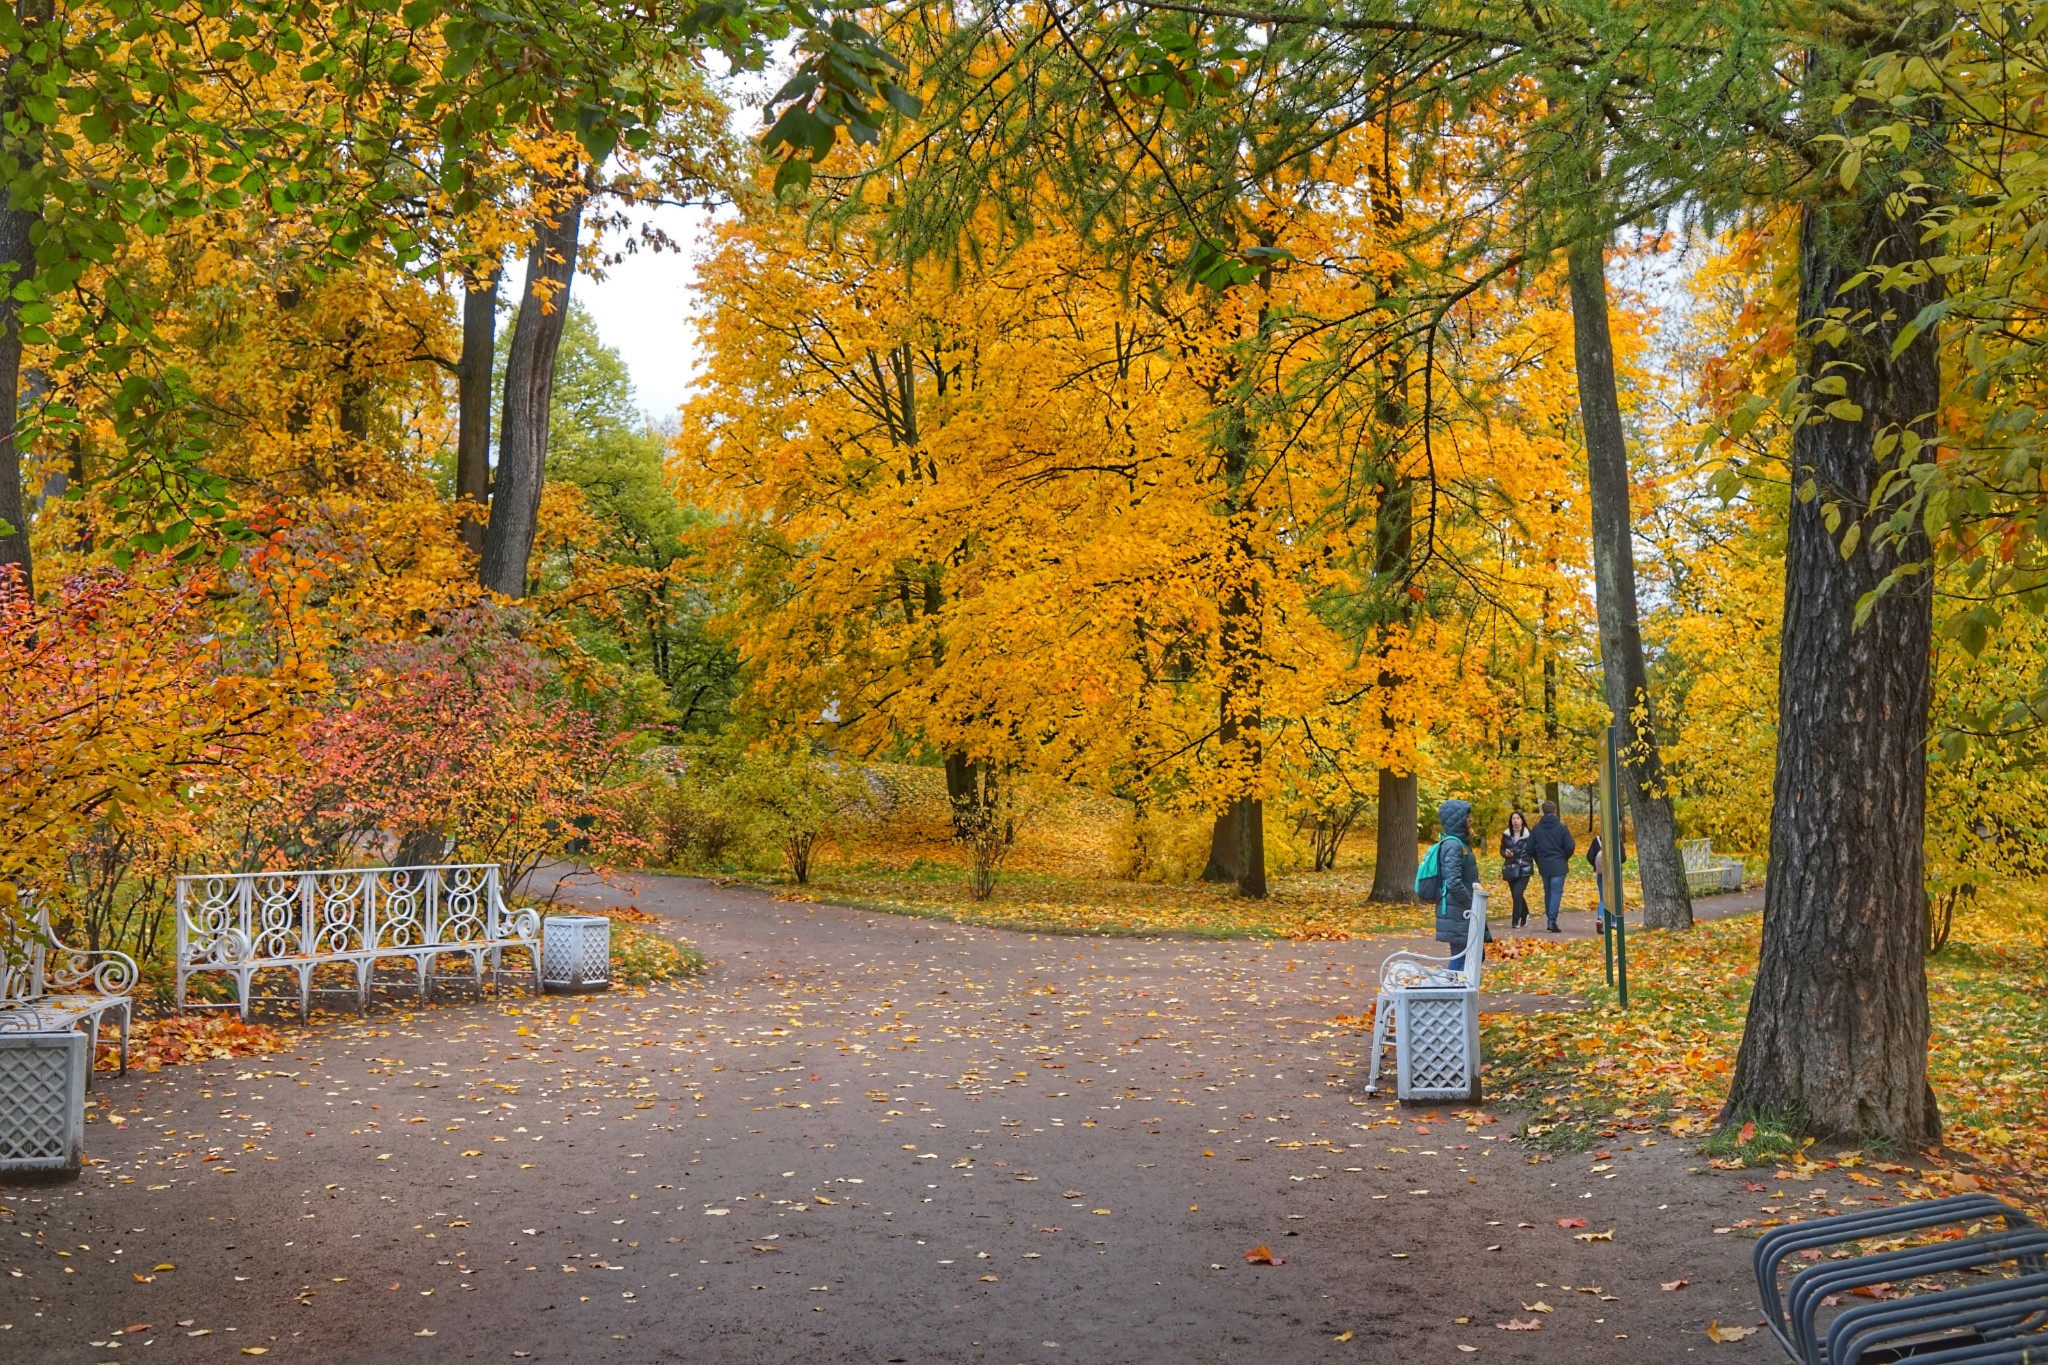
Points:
x=861 y=1138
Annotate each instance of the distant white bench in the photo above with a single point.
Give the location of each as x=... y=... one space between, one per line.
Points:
x=242 y=924
x=56 y=988
x=1708 y=873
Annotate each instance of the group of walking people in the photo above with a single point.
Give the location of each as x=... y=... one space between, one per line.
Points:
x=1545 y=850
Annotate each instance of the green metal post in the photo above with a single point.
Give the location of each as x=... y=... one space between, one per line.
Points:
x=1606 y=800
x=1611 y=846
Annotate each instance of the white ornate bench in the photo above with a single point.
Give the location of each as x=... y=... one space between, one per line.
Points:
x=244 y=923
x=1432 y=1015
x=56 y=988
x=1708 y=873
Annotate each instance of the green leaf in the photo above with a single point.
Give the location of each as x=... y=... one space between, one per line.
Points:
x=792 y=178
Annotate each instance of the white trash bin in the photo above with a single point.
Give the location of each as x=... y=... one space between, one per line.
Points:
x=42 y=1100
x=575 y=952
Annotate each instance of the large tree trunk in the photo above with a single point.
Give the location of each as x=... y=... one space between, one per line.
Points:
x=15 y=249
x=1241 y=735
x=1222 y=864
x=1394 y=844
x=1837 y=1030
x=18 y=218
x=1666 y=904
x=473 y=402
x=529 y=391
x=963 y=793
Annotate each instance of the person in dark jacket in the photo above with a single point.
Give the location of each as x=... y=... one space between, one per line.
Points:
x=1516 y=866
x=1599 y=884
x=1459 y=867
x=1552 y=846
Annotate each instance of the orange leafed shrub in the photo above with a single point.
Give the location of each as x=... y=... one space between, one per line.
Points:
x=119 y=695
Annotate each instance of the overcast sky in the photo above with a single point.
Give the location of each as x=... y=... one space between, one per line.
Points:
x=643 y=307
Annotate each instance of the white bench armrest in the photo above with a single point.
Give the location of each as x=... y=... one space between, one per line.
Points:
x=103 y=972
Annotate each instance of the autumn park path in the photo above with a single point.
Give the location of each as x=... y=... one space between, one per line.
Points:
x=859 y=1138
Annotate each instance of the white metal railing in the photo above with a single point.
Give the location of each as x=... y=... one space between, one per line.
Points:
x=241 y=923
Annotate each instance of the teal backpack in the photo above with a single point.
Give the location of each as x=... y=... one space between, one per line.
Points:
x=1429 y=878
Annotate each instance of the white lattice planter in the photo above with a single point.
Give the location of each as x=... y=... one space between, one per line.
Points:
x=42 y=1100
x=1436 y=1045
x=576 y=952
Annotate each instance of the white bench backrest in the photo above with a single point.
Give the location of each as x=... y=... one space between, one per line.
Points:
x=23 y=982
x=1475 y=937
x=349 y=912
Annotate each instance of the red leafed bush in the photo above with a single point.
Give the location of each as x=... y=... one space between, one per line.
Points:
x=461 y=740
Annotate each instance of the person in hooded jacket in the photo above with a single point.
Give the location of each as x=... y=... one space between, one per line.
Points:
x=1459 y=866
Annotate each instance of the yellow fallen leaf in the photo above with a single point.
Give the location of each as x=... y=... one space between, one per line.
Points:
x=255 y=1350
x=166 y=1265
x=1538 y=1307
x=1606 y=1236
x=424 y=1332
x=1717 y=1333
x=988 y=1279
x=1344 y=1335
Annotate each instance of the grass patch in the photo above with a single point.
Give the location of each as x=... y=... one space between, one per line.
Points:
x=1077 y=867
x=1573 y=1135
x=1765 y=1140
x=641 y=957
x=1666 y=1062
x=1329 y=905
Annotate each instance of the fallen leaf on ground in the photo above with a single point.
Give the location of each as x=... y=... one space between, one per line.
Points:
x=1716 y=1332
x=1670 y=1285
x=1606 y=1236
x=1517 y=1325
x=1571 y=1222
x=1262 y=1255
x=1344 y=1335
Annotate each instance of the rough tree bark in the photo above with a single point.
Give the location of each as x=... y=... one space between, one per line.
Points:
x=529 y=391
x=1666 y=904
x=473 y=402
x=1396 y=858
x=15 y=249
x=1395 y=855
x=1395 y=847
x=1241 y=736
x=1837 y=1032
x=1237 y=843
x=19 y=215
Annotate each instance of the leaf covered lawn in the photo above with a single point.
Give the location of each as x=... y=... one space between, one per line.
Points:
x=1665 y=1062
